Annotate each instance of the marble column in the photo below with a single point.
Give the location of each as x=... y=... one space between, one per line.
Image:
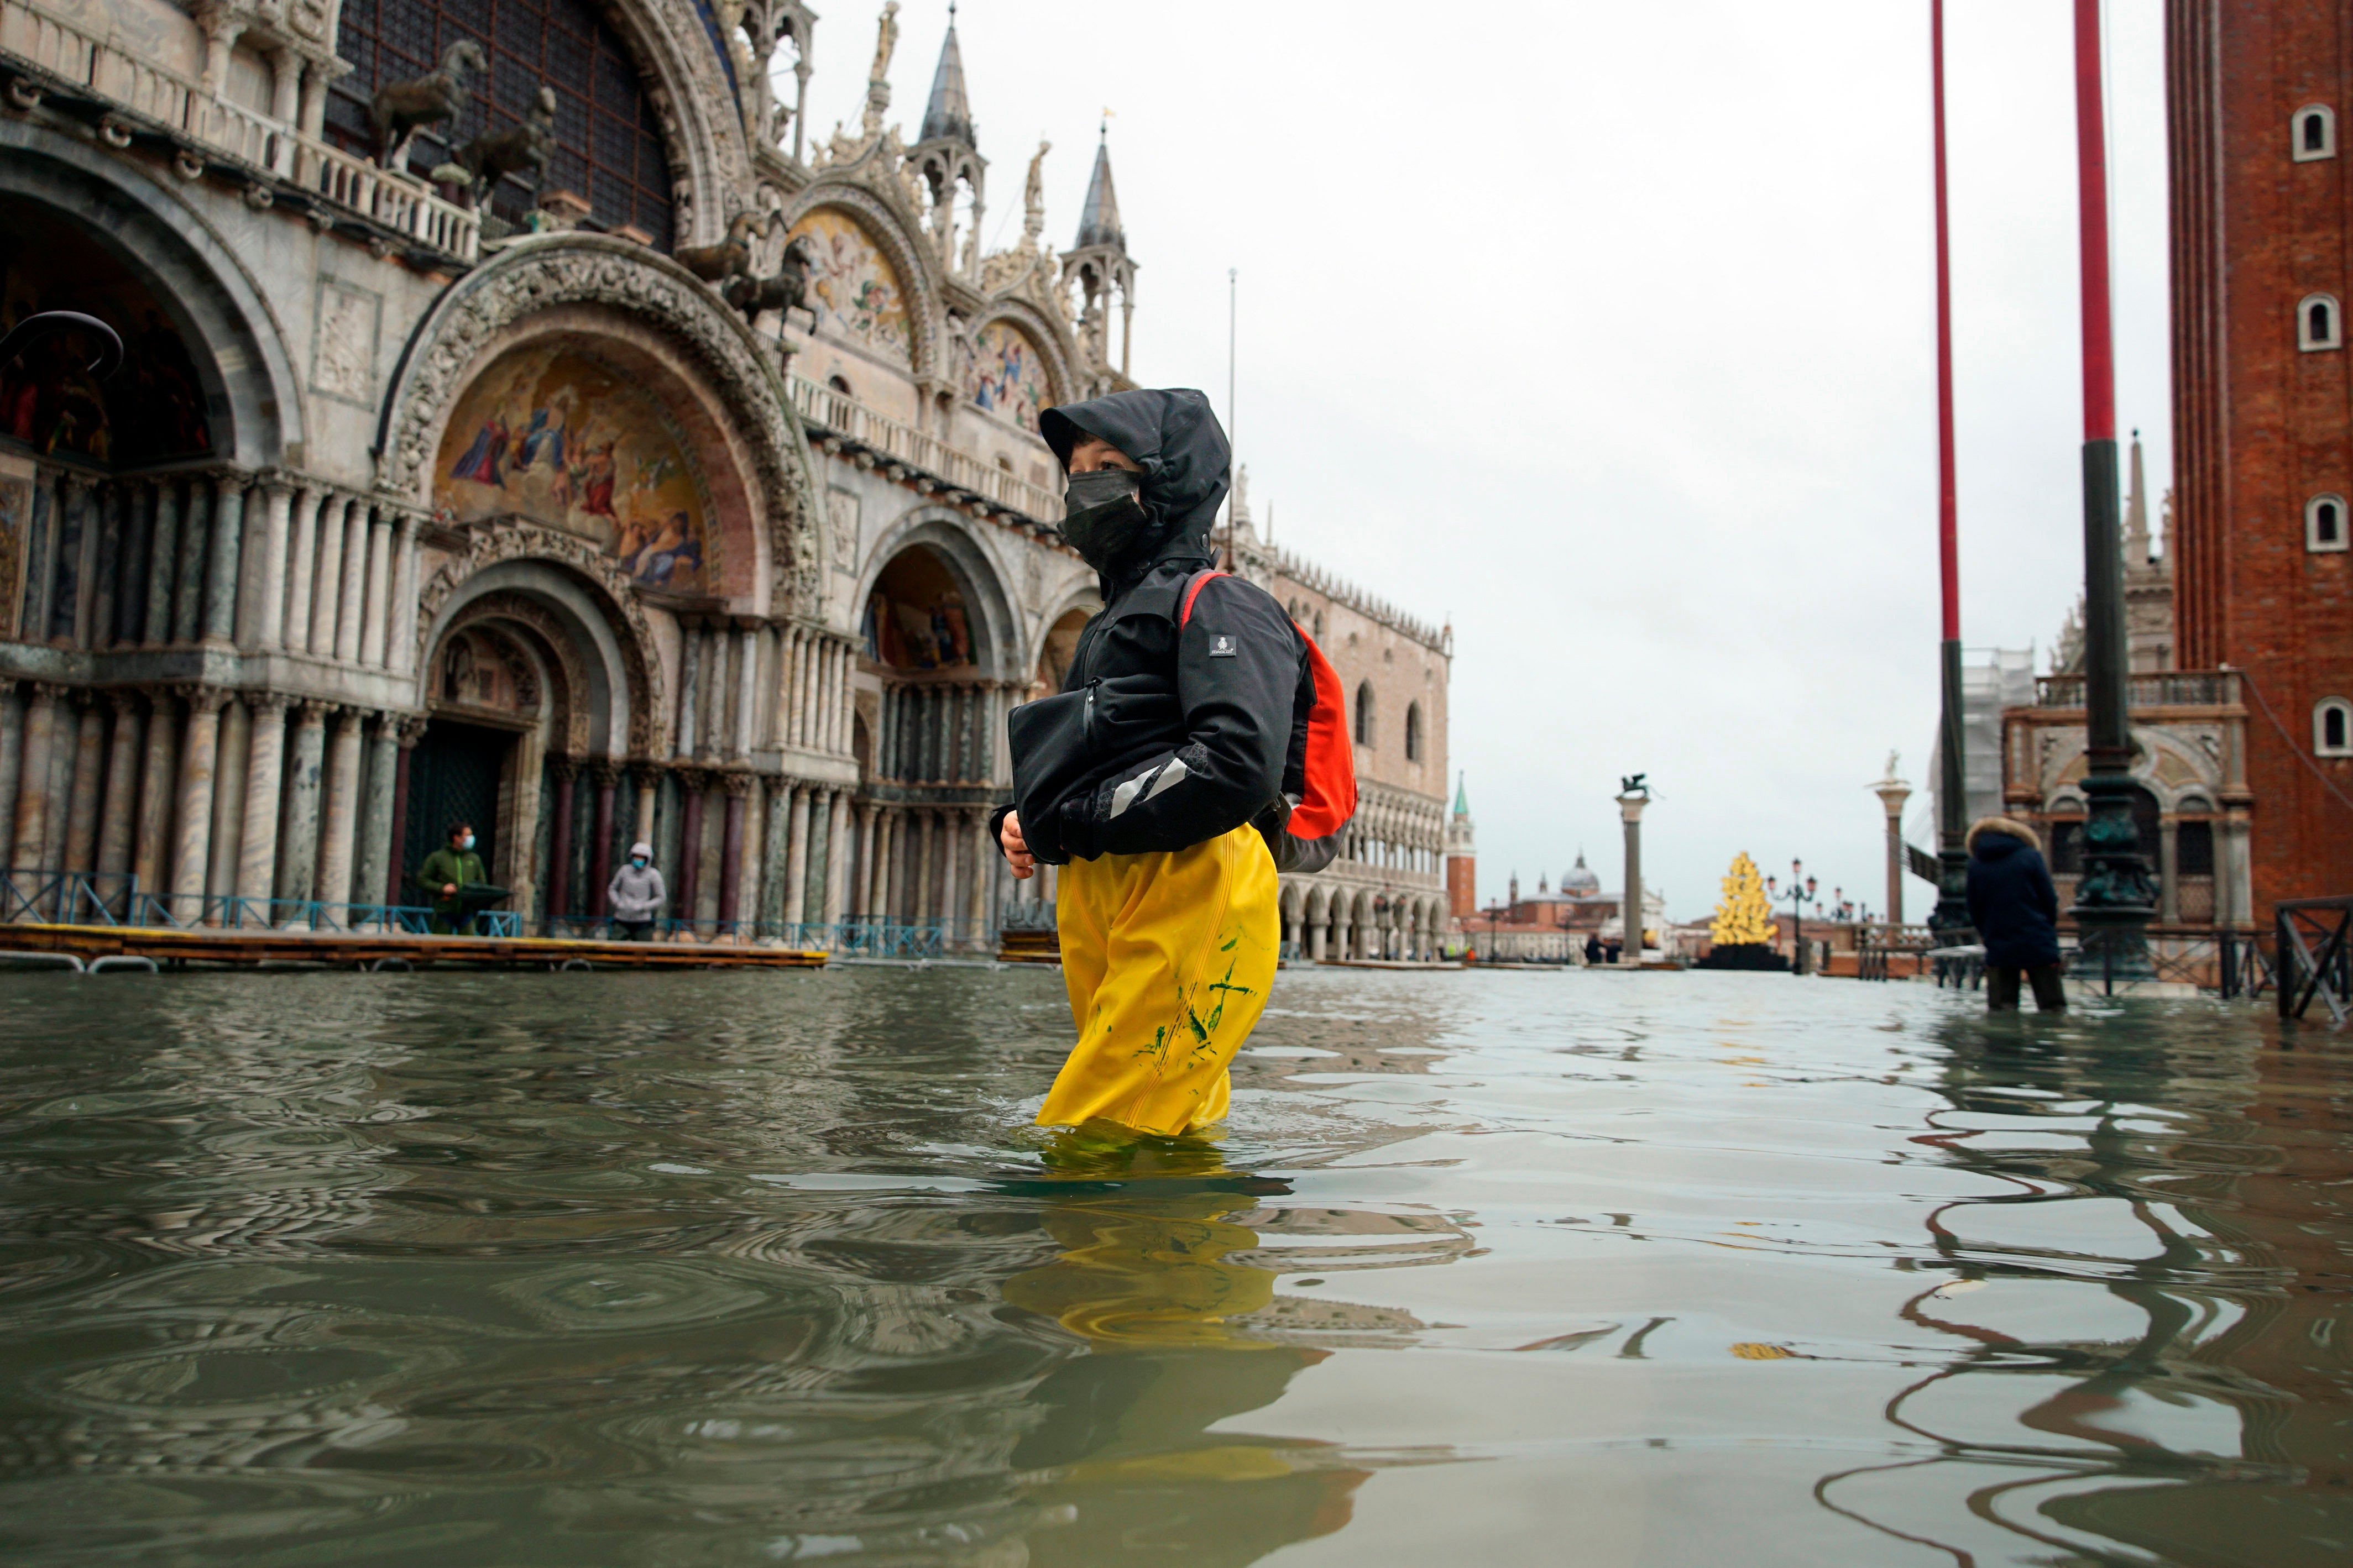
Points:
x=688 y=884
x=565 y=773
x=869 y=855
x=151 y=849
x=606 y=772
x=230 y=743
x=920 y=903
x=81 y=795
x=349 y=600
x=886 y=837
x=402 y=654
x=377 y=617
x=781 y=723
x=265 y=771
x=983 y=871
x=776 y=836
x=805 y=690
x=269 y=588
x=338 y=833
x=297 y=856
x=192 y=811
x=163 y=563
x=747 y=691
x=836 y=845
x=12 y=764
x=371 y=860
x=327 y=575
x=32 y=824
x=748 y=857
x=302 y=562
x=120 y=817
x=690 y=674
x=2168 y=866
x=648 y=788
x=407 y=730
x=188 y=574
x=738 y=784
x=138 y=540
x=796 y=858
x=106 y=524
x=227 y=545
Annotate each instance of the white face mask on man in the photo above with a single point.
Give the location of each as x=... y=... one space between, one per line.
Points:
x=466 y=842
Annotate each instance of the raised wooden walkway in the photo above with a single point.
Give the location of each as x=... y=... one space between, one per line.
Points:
x=171 y=946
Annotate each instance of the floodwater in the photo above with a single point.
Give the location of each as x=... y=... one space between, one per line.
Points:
x=1486 y=1268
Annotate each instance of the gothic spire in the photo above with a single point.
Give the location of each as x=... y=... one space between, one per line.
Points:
x=1099 y=219
x=1462 y=802
x=948 y=116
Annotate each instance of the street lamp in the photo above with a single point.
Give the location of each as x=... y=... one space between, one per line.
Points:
x=1494 y=914
x=1801 y=888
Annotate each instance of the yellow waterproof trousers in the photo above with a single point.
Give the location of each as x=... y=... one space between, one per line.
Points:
x=1167 y=958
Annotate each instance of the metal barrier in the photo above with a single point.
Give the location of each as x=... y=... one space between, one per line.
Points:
x=858 y=936
x=114 y=899
x=2305 y=971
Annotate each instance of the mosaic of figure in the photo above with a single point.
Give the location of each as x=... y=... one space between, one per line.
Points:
x=853 y=287
x=1008 y=378
x=562 y=438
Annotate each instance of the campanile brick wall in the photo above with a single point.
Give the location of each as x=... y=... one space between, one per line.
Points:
x=2260 y=425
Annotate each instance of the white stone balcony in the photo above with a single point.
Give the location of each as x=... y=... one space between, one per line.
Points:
x=80 y=51
x=853 y=422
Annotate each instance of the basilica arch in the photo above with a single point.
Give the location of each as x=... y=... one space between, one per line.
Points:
x=654 y=318
x=254 y=396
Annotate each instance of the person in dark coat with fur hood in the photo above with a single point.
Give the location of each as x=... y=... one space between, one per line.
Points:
x=2016 y=911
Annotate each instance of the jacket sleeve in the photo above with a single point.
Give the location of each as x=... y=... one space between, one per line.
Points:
x=1237 y=670
x=1977 y=919
x=2046 y=893
x=660 y=890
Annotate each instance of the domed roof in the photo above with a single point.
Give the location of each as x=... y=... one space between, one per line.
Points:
x=1579 y=880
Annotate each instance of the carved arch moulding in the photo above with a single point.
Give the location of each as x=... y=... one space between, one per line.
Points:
x=539 y=274
x=614 y=596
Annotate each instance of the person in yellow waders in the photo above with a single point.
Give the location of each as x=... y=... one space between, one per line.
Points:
x=1195 y=749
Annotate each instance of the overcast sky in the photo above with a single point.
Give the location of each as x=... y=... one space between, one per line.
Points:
x=1607 y=332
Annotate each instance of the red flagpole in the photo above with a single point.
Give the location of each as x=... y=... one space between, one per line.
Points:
x=1952 y=911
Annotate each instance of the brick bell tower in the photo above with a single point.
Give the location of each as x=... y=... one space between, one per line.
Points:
x=1461 y=859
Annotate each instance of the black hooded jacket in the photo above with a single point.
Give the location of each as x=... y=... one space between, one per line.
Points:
x=1161 y=739
x=2012 y=902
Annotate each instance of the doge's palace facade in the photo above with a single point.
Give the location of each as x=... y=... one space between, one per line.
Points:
x=611 y=458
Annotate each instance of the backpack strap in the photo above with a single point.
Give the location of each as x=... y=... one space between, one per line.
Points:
x=1193 y=586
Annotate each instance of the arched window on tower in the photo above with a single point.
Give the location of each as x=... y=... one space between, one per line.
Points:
x=1413 y=731
x=2312 y=133
x=2318 y=324
x=2323 y=523
x=2332 y=727
x=1363 y=713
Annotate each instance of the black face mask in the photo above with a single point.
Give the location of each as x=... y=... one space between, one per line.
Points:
x=1104 y=520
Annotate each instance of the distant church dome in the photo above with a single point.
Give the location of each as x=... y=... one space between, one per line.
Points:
x=1579 y=880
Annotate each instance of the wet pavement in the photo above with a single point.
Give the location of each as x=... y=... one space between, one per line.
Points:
x=1493 y=1268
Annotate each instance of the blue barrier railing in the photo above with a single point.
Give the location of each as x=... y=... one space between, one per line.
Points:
x=114 y=899
x=858 y=936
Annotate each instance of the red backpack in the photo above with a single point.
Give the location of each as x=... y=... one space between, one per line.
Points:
x=1329 y=799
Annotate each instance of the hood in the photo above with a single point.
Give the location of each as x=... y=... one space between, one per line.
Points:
x=1175 y=439
x=2002 y=834
x=645 y=849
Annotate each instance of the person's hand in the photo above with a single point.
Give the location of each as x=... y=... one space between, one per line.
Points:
x=1017 y=848
x=449 y=889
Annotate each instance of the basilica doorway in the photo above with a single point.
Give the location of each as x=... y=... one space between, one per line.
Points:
x=454 y=775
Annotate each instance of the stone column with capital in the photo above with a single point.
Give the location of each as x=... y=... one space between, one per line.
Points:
x=796 y=858
x=151 y=849
x=776 y=823
x=837 y=844
x=350 y=609
x=1630 y=810
x=407 y=729
x=747 y=688
x=737 y=784
x=226 y=545
x=983 y=871
x=687 y=886
x=340 y=794
x=119 y=819
x=32 y=824
x=565 y=773
x=606 y=772
x=301 y=561
x=230 y=748
x=327 y=575
x=1893 y=793
x=265 y=771
x=297 y=856
x=690 y=674
x=192 y=811
x=82 y=797
x=401 y=655
x=862 y=894
x=376 y=617
x=372 y=871
x=163 y=563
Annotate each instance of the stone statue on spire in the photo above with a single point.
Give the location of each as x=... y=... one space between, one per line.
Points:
x=1033 y=197
x=878 y=85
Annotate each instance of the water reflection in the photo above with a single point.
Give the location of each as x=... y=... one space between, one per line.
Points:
x=718 y=1269
x=2205 y=1422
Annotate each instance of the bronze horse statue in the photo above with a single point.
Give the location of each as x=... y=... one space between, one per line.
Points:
x=400 y=108
x=786 y=290
x=730 y=258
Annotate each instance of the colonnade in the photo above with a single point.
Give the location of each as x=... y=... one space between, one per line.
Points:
x=201 y=793
x=1338 y=922
x=1396 y=832
x=265 y=563
x=940 y=731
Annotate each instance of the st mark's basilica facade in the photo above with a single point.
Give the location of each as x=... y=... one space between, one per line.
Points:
x=525 y=419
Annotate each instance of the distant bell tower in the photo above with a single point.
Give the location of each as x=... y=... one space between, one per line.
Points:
x=1461 y=859
x=1100 y=263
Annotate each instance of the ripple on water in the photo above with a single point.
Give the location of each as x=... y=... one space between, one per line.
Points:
x=752 y=1268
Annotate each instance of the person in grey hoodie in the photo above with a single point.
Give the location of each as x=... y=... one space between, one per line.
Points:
x=636 y=894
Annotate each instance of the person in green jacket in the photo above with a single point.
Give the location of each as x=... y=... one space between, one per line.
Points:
x=445 y=871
